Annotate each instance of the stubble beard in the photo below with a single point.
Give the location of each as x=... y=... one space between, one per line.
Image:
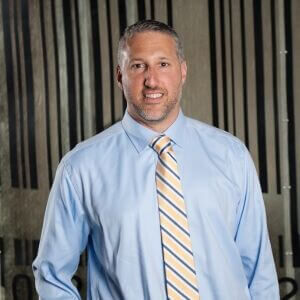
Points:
x=147 y=115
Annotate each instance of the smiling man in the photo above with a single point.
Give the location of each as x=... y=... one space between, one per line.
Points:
x=167 y=207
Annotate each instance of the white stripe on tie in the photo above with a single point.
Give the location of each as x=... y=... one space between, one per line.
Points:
x=179 y=266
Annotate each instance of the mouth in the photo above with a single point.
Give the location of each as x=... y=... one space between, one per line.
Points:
x=153 y=96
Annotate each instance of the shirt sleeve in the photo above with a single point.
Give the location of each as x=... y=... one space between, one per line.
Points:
x=64 y=237
x=252 y=238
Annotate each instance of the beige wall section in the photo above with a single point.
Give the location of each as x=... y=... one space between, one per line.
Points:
x=197 y=92
x=131 y=10
x=161 y=11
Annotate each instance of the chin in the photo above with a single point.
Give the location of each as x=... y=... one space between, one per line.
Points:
x=153 y=117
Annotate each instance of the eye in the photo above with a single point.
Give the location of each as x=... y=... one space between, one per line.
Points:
x=138 y=66
x=164 y=64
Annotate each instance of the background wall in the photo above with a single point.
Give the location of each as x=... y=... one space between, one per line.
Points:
x=57 y=87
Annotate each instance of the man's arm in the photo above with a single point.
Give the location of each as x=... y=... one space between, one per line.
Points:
x=252 y=238
x=64 y=236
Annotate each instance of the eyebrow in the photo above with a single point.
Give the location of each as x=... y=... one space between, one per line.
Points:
x=141 y=59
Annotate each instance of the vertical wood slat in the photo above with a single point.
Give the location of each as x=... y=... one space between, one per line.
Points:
x=115 y=35
x=228 y=63
x=10 y=93
x=220 y=91
x=268 y=91
x=24 y=92
x=251 y=84
x=296 y=75
x=260 y=95
x=77 y=68
x=17 y=91
x=161 y=11
x=108 y=106
x=87 y=68
x=31 y=110
x=51 y=79
x=5 y=169
x=64 y=122
x=39 y=94
x=96 y=44
x=238 y=71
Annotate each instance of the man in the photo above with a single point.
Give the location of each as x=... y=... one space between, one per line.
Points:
x=167 y=206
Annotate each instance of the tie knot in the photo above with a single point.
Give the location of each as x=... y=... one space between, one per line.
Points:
x=161 y=144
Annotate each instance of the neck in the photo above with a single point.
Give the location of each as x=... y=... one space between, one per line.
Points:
x=158 y=126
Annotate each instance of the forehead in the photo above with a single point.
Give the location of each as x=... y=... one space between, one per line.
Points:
x=150 y=43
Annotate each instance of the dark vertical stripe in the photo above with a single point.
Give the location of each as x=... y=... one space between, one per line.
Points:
x=224 y=67
x=152 y=8
x=122 y=15
x=28 y=260
x=281 y=251
x=170 y=12
x=80 y=72
x=10 y=85
x=72 y=109
x=275 y=97
x=97 y=65
x=20 y=96
x=123 y=25
x=213 y=63
x=19 y=254
x=111 y=63
x=45 y=62
x=56 y=62
x=2 y=259
x=232 y=69
x=30 y=95
x=260 y=96
x=244 y=66
x=291 y=132
x=35 y=247
x=141 y=9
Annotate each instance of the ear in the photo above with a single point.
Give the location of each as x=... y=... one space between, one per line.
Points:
x=119 y=77
x=183 y=71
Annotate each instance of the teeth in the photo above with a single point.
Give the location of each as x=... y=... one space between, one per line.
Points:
x=153 y=96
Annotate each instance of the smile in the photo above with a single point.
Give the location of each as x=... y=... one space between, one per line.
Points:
x=153 y=96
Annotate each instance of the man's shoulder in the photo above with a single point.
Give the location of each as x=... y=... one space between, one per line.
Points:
x=209 y=134
x=94 y=146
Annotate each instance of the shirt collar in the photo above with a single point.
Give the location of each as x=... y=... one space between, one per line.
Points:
x=141 y=136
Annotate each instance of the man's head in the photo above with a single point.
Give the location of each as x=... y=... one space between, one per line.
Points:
x=151 y=73
x=149 y=25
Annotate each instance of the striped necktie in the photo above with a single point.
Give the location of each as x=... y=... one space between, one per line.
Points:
x=180 y=274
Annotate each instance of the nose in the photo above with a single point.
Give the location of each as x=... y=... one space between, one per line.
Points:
x=151 y=79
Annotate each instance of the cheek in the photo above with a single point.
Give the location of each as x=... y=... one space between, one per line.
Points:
x=133 y=87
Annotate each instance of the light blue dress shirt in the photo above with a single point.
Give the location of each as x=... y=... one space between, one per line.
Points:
x=104 y=198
